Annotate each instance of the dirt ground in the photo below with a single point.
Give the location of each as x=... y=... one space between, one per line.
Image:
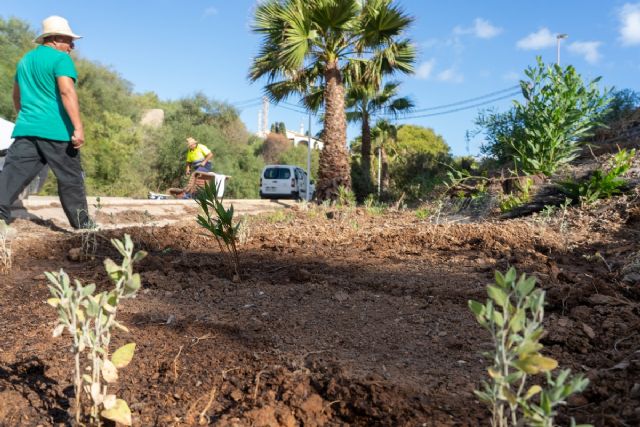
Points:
x=341 y=317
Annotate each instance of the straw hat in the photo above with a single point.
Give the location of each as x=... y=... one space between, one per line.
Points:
x=191 y=140
x=55 y=26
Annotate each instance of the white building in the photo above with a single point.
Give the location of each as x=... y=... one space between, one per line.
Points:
x=297 y=138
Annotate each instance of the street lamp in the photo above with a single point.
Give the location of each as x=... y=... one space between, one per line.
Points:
x=558 y=38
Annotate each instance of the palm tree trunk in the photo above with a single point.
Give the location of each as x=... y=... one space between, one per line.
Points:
x=334 y=170
x=384 y=173
x=366 y=155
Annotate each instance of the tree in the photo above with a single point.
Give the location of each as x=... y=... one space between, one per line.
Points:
x=363 y=101
x=274 y=146
x=545 y=131
x=16 y=39
x=412 y=158
x=313 y=44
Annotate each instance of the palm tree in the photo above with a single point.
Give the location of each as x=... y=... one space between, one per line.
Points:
x=385 y=135
x=314 y=44
x=363 y=102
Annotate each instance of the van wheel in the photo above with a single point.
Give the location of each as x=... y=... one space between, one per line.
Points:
x=296 y=196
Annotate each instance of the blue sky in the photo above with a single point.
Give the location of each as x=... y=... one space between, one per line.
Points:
x=466 y=49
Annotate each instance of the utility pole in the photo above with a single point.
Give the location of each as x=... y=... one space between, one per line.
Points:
x=259 y=132
x=309 y=160
x=265 y=114
x=558 y=38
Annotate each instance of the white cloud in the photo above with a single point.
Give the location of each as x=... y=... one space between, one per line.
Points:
x=511 y=76
x=481 y=28
x=587 y=49
x=450 y=75
x=543 y=38
x=210 y=11
x=629 y=16
x=425 y=68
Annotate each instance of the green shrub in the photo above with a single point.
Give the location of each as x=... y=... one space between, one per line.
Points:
x=514 y=315
x=522 y=196
x=544 y=132
x=601 y=185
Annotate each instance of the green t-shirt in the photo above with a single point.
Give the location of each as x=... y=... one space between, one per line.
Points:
x=198 y=153
x=42 y=113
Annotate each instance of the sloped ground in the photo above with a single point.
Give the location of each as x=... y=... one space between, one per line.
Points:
x=342 y=317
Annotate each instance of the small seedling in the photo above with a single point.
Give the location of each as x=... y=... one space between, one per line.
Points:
x=423 y=213
x=346 y=197
x=89 y=234
x=6 y=255
x=513 y=315
x=374 y=207
x=89 y=318
x=219 y=221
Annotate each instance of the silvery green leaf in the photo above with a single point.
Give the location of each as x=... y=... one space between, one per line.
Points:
x=122 y=356
x=139 y=256
x=120 y=413
x=88 y=290
x=58 y=330
x=109 y=401
x=109 y=371
x=95 y=393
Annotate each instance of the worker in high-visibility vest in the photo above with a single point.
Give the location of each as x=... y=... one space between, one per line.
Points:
x=198 y=157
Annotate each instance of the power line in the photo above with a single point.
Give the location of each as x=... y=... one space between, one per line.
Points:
x=246 y=101
x=290 y=109
x=455 y=110
x=244 y=107
x=466 y=101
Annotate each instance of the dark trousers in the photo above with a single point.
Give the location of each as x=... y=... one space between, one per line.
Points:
x=26 y=157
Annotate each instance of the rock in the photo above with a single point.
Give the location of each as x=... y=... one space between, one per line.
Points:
x=587 y=330
x=631 y=278
x=75 y=254
x=577 y=400
x=304 y=275
x=635 y=391
x=599 y=299
x=236 y=395
x=341 y=296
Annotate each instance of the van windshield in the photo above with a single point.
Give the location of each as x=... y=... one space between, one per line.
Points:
x=277 y=173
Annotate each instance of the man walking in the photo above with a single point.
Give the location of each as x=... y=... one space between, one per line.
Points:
x=48 y=129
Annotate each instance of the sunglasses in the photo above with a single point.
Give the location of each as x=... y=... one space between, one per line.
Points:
x=66 y=40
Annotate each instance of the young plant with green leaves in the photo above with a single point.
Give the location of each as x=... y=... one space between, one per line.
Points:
x=601 y=185
x=519 y=198
x=513 y=315
x=6 y=255
x=89 y=318
x=544 y=132
x=219 y=221
x=89 y=234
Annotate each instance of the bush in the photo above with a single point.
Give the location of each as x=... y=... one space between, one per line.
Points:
x=544 y=132
x=601 y=185
x=273 y=147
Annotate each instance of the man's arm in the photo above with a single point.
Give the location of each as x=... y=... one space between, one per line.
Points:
x=16 y=97
x=70 y=101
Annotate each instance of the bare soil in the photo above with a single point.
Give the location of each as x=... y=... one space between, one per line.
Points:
x=341 y=317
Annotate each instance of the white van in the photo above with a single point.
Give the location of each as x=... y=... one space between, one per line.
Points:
x=285 y=182
x=6 y=129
